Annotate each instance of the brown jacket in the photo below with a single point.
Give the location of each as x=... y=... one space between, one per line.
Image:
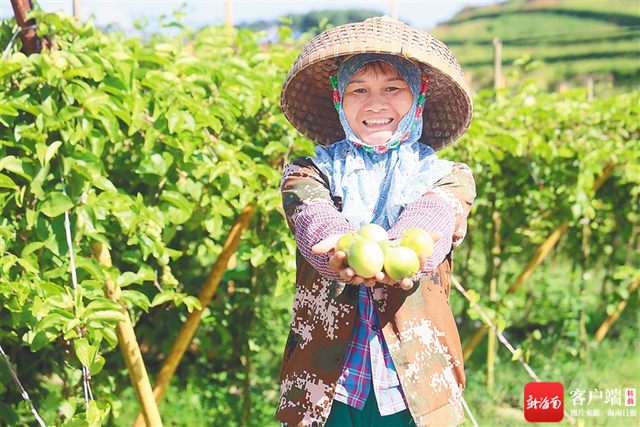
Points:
x=418 y=325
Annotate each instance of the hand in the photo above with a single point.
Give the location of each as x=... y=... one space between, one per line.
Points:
x=406 y=283
x=348 y=275
x=337 y=265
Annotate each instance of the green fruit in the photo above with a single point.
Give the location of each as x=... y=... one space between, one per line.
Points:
x=401 y=262
x=366 y=258
x=387 y=245
x=418 y=240
x=373 y=232
x=344 y=243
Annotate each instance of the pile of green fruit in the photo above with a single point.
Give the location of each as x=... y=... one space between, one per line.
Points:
x=369 y=251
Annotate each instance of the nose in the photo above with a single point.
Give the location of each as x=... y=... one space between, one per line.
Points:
x=375 y=103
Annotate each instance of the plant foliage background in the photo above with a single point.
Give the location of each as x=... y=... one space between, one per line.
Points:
x=152 y=146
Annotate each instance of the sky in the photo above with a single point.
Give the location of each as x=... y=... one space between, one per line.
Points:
x=423 y=14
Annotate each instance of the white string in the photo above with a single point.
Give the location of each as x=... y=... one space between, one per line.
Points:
x=473 y=420
x=503 y=340
x=86 y=374
x=13 y=37
x=24 y=393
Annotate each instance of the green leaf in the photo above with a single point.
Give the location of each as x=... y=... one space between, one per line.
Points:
x=127 y=278
x=15 y=165
x=28 y=264
x=56 y=204
x=94 y=101
x=8 y=110
x=162 y=297
x=6 y=182
x=105 y=316
x=502 y=324
x=41 y=339
x=97 y=365
x=51 y=151
x=52 y=321
x=110 y=335
x=102 y=304
x=136 y=298
x=516 y=354
x=184 y=207
x=192 y=302
x=473 y=296
x=85 y=352
x=94 y=414
x=91 y=266
x=259 y=255
x=8 y=67
x=156 y=163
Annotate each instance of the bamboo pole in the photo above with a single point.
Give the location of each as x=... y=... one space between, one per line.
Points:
x=193 y=319
x=129 y=347
x=228 y=20
x=533 y=263
x=76 y=9
x=492 y=344
x=497 y=64
x=28 y=35
x=611 y=319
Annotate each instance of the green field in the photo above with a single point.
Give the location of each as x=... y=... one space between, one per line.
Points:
x=574 y=40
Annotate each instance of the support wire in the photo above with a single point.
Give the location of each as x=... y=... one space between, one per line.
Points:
x=24 y=393
x=503 y=340
x=86 y=374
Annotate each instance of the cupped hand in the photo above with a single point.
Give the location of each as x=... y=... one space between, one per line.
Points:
x=348 y=275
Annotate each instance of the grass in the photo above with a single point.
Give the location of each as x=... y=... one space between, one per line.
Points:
x=512 y=26
x=612 y=365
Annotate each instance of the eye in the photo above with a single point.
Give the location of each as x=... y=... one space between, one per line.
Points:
x=394 y=88
x=359 y=90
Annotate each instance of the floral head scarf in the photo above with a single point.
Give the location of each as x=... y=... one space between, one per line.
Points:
x=376 y=182
x=410 y=127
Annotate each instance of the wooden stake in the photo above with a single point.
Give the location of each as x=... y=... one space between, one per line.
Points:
x=76 y=9
x=492 y=344
x=228 y=20
x=497 y=64
x=193 y=319
x=611 y=319
x=129 y=347
x=533 y=263
x=539 y=256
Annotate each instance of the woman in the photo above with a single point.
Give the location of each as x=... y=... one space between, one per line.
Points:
x=386 y=353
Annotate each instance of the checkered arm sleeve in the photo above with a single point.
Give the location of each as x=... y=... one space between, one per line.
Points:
x=445 y=209
x=312 y=214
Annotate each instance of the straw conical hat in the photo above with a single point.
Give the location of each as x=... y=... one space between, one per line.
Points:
x=307 y=93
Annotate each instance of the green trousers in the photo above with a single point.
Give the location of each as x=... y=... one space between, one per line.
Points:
x=347 y=416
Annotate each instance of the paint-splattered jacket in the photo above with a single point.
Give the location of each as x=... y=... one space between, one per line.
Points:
x=418 y=325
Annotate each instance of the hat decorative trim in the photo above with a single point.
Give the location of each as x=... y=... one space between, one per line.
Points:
x=337 y=101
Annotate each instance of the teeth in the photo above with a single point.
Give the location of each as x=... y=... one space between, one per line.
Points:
x=378 y=122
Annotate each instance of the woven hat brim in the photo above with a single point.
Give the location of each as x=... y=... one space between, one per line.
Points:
x=307 y=101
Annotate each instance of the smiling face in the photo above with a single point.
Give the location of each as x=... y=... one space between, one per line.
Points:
x=374 y=101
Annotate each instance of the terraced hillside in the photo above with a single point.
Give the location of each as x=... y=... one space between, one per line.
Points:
x=575 y=40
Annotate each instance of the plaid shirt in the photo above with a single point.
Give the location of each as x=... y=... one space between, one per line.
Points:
x=367 y=357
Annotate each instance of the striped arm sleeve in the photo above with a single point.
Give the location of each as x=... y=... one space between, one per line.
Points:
x=431 y=213
x=314 y=223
